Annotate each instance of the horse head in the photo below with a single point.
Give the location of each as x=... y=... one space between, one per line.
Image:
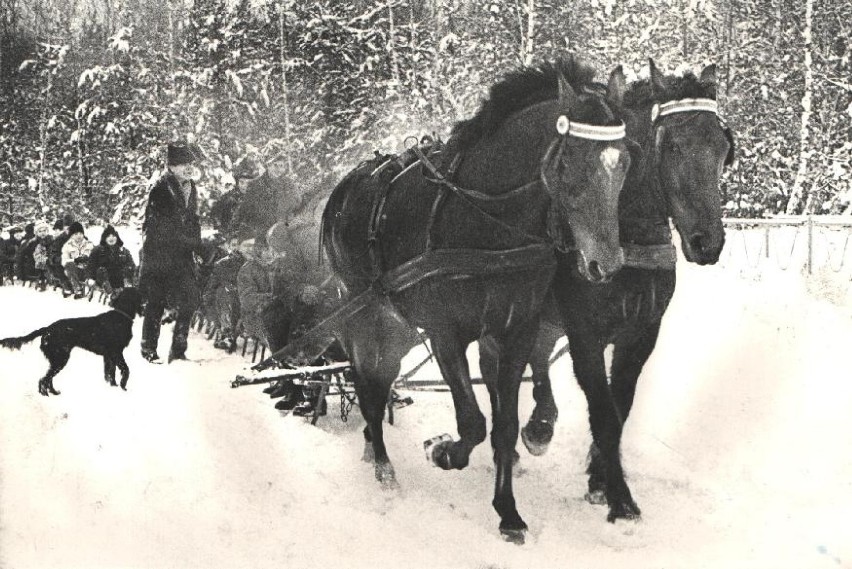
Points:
x=691 y=146
x=551 y=126
x=583 y=171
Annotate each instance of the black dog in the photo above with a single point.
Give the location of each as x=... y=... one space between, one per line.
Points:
x=106 y=334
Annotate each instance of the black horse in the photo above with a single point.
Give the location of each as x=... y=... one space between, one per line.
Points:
x=540 y=165
x=685 y=146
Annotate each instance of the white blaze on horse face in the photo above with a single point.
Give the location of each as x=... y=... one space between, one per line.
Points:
x=609 y=159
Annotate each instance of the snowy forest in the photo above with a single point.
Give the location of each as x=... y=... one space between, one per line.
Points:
x=92 y=89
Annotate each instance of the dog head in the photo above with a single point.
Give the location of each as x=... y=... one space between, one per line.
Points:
x=129 y=301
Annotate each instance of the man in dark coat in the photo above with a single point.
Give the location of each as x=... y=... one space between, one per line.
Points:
x=110 y=264
x=269 y=198
x=167 y=267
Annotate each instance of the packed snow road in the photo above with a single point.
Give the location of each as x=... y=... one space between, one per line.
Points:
x=738 y=451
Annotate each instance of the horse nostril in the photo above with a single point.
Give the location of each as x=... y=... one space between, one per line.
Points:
x=696 y=242
x=595 y=271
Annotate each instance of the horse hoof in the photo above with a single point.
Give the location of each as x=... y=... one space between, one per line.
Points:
x=626 y=511
x=516 y=536
x=386 y=476
x=436 y=450
x=369 y=454
x=537 y=437
x=596 y=497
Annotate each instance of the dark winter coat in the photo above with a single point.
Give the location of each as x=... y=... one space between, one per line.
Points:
x=172 y=232
x=55 y=253
x=224 y=275
x=281 y=280
x=255 y=290
x=224 y=209
x=254 y=287
x=111 y=264
x=8 y=251
x=266 y=202
x=25 y=265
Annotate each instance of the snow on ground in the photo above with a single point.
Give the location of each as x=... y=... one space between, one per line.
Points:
x=738 y=451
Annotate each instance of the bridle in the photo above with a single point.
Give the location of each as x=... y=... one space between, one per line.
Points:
x=693 y=106
x=565 y=129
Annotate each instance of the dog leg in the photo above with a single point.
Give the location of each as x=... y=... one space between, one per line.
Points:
x=45 y=386
x=109 y=370
x=124 y=369
x=57 y=355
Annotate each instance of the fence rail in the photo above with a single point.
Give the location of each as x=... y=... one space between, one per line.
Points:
x=824 y=241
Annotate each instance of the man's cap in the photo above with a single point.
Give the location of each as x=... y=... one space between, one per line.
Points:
x=179 y=154
x=75 y=227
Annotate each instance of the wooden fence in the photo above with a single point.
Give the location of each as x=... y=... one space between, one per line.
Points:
x=808 y=243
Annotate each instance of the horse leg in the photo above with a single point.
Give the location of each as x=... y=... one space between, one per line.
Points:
x=606 y=425
x=452 y=360
x=538 y=431
x=376 y=343
x=627 y=362
x=372 y=397
x=489 y=364
x=514 y=353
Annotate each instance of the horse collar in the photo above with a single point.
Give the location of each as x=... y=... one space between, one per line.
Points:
x=123 y=313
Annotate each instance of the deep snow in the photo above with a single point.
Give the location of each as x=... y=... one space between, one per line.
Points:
x=738 y=451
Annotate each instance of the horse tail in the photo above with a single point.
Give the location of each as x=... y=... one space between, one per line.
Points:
x=16 y=343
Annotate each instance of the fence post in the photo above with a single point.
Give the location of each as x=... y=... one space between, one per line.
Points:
x=766 y=239
x=810 y=244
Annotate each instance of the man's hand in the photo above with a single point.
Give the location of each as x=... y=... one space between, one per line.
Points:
x=310 y=295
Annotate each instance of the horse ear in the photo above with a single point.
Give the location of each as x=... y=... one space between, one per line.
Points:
x=708 y=78
x=708 y=75
x=616 y=87
x=657 y=83
x=566 y=92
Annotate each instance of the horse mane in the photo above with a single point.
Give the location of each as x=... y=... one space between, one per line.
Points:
x=686 y=87
x=520 y=89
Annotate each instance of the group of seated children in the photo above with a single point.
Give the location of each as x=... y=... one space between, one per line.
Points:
x=64 y=257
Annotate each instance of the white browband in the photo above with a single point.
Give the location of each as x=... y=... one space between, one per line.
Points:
x=590 y=131
x=684 y=106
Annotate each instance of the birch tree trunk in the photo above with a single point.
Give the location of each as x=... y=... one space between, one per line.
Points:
x=82 y=167
x=528 y=34
x=391 y=45
x=437 y=17
x=797 y=194
x=285 y=90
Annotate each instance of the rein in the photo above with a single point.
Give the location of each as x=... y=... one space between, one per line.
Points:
x=564 y=127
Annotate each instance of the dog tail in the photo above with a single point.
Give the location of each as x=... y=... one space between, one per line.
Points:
x=16 y=343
